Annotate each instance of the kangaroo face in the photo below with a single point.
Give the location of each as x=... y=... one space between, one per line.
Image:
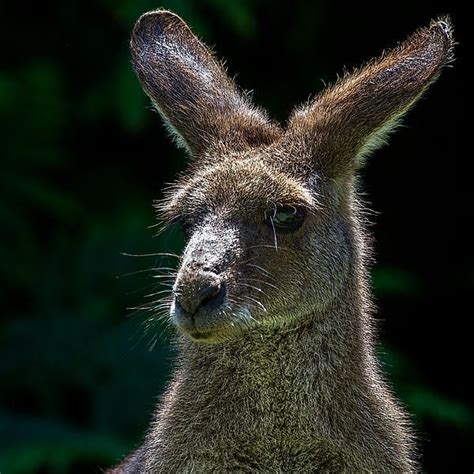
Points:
x=269 y=211
x=248 y=224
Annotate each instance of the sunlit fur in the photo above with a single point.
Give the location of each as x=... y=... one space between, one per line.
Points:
x=283 y=378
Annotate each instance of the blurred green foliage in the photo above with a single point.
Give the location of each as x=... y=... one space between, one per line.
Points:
x=78 y=381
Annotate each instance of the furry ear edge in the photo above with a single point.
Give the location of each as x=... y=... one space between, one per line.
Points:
x=190 y=88
x=352 y=118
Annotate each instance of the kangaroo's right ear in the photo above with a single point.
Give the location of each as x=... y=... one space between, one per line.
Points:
x=354 y=117
x=191 y=89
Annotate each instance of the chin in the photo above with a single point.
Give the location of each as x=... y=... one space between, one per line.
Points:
x=216 y=327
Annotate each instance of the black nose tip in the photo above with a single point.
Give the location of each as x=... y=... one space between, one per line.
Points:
x=207 y=295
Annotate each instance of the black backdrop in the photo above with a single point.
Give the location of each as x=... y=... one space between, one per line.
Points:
x=83 y=156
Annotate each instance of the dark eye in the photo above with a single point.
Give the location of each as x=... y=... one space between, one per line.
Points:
x=285 y=218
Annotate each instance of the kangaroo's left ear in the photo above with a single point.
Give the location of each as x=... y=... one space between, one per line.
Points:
x=349 y=120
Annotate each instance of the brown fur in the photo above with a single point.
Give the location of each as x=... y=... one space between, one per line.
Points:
x=283 y=378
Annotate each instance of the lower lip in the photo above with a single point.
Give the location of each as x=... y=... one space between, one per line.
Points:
x=188 y=326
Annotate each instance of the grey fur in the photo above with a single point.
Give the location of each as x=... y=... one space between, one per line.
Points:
x=284 y=377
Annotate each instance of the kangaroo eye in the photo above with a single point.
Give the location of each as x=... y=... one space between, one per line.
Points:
x=285 y=218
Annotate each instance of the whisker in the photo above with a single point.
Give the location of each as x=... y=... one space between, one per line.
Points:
x=253 y=287
x=255 y=301
x=246 y=314
x=170 y=270
x=156 y=325
x=150 y=305
x=164 y=279
x=267 y=247
x=145 y=270
x=274 y=231
x=168 y=284
x=134 y=273
x=161 y=292
x=158 y=254
x=259 y=268
x=264 y=282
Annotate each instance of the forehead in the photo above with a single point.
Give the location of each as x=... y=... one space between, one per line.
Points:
x=237 y=186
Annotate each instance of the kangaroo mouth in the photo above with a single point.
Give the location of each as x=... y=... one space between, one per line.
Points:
x=214 y=334
x=206 y=329
x=217 y=325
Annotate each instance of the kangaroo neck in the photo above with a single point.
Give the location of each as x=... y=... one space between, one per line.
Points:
x=292 y=367
x=275 y=394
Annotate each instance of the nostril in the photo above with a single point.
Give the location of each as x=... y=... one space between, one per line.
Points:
x=212 y=296
x=209 y=292
x=207 y=296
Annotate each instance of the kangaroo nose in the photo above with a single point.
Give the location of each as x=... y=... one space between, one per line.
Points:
x=205 y=293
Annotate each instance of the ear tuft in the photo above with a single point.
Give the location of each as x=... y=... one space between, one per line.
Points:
x=444 y=25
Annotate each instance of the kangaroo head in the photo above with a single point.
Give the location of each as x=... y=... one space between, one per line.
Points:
x=270 y=212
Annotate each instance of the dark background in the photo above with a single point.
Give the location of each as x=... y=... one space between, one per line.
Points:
x=83 y=157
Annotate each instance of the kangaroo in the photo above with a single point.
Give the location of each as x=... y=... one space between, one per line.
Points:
x=276 y=369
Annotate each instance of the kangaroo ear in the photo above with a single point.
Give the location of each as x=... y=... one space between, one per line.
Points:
x=351 y=119
x=191 y=89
